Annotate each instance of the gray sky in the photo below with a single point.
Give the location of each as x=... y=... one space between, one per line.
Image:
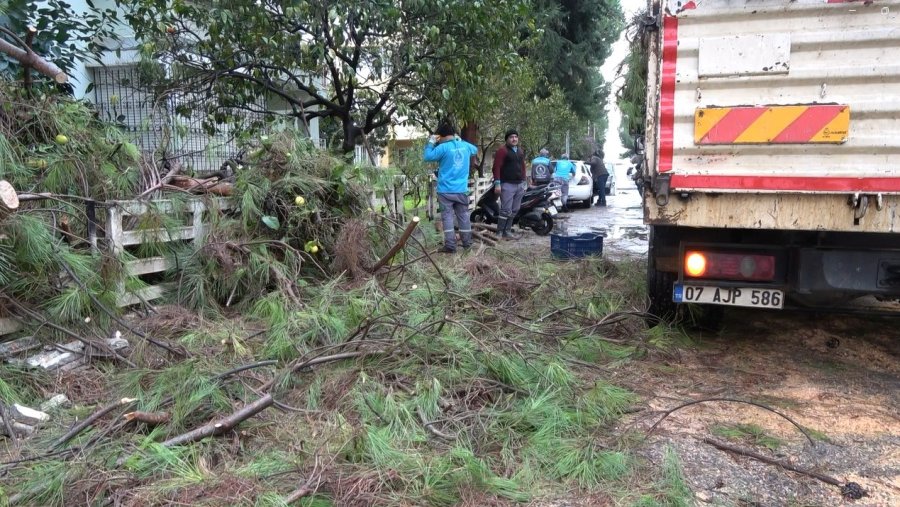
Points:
x=613 y=147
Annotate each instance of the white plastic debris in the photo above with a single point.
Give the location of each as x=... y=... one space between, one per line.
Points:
x=26 y=415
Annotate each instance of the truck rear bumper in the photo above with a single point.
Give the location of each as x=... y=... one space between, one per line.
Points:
x=847 y=272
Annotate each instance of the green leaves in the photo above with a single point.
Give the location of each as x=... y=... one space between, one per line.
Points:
x=271 y=222
x=375 y=56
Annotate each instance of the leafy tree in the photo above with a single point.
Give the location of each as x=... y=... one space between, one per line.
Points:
x=63 y=36
x=363 y=63
x=542 y=122
x=577 y=38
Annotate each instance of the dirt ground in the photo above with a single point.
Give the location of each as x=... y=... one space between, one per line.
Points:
x=836 y=375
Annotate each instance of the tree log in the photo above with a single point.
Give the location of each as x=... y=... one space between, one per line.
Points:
x=222 y=425
x=485 y=227
x=31 y=59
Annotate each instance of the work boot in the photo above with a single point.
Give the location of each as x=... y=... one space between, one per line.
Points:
x=503 y=227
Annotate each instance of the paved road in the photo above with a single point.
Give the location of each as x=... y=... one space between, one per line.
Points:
x=621 y=221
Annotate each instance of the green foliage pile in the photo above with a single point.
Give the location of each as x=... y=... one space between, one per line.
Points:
x=454 y=398
x=632 y=97
x=292 y=201
x=51 y=143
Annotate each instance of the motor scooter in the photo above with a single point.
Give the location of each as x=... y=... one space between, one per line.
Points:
x=539 y=205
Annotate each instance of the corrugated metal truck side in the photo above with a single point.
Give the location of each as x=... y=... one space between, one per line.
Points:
x=773 y=149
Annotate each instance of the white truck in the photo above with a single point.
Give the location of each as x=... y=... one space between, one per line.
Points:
x=773 y=153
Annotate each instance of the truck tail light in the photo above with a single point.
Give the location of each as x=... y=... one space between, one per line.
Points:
x=729 y=266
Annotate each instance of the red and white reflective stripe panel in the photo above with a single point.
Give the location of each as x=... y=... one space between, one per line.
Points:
x=775 y=124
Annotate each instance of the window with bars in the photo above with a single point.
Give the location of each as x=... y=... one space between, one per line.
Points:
x=121 y=98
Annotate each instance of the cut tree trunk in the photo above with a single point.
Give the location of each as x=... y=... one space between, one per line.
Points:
x=9 y=200
x=31 y=59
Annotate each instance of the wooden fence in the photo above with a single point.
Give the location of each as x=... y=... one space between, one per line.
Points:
x=122 y=217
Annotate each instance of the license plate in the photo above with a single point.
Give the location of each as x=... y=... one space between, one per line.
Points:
x=557 y=203
x=732 y=296
x=552 y=210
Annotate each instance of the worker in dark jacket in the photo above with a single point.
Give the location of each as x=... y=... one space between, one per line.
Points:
x=600 y=174
x=509 y=181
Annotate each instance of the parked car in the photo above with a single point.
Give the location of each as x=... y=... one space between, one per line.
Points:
x=581 y=186
x=611 y=181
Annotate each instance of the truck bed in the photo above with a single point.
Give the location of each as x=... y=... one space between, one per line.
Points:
x=776 y=114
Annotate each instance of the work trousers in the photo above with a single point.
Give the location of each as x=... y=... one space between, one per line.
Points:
x=455 y=206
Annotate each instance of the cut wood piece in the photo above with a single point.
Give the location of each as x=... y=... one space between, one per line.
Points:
x=151 y=418
x=486 y=227
x=20 y=429
x=16 y=347
x=31 y=59
x=8 y=197
x=202 y=186
x=26 y=415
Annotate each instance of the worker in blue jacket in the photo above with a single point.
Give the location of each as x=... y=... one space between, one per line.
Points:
x=453 y=156
x=540 y=168
x=565 y=169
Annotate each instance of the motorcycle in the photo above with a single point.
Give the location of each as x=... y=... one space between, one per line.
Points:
x=539 y=205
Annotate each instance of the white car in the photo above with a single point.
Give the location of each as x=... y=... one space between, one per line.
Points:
x=581 y=186
x=611 y=181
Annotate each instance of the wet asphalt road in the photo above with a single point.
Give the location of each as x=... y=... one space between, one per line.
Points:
x=621 y=222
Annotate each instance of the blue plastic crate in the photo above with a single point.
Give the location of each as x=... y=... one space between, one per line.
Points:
x=572 y=247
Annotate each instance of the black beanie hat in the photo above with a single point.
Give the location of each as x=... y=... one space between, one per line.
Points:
x=510 y=132
x=446 y=129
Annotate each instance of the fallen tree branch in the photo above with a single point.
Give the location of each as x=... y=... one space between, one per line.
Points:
x=429 y=425
x=115 y=317
x=29 y=58
x=319 y=360
x=486 y=227
x=222 y=425
x=298 y=493
x=851 y=489
x=733 y=400
x=8 y=425
x=151 y=418
x=78 y=428
x=400 y=243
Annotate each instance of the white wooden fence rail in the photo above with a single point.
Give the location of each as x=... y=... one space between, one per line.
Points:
x=120 y=236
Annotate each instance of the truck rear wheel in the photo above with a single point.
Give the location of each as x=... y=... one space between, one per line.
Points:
x=659 y=289
x=663 y=308
x=659 y=285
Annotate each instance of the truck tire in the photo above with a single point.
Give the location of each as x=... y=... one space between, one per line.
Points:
x=659 y=286
x=659 y=289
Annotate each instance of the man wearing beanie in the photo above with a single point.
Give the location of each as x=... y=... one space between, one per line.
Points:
x=509 y=181
x=453 y=156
